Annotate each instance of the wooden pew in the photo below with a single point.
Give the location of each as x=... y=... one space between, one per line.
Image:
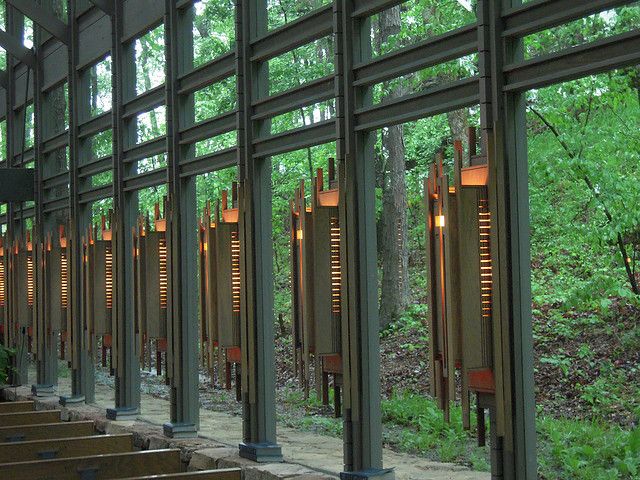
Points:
x=29 y=418
x=65 y=448
x=97 y=467
x=221 y=474
x=12 y=407
x=42 y=431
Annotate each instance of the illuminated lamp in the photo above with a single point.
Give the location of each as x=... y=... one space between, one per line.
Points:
x=460 y=282
x=316 y=282
x=97 y=283
x=151 y=272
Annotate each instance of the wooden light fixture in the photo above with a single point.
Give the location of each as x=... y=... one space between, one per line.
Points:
x=221 y=286
x=316 y=281
x=151 y=272
x=97 y=284
x=56 y=296
x=460 y=280
x=21 y=288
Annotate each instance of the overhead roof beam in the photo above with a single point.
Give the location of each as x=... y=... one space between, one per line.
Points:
x=16 y=48
x=42 y=17
x=105 y=5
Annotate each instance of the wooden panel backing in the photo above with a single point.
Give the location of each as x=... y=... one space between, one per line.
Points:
x=228 y=319
x=221 y=474
x=11 y=407
x=97 y=467
x=40 y=431
x=48 y=449
x=29 y=418
x=97 y=277
x=476 y=329
x=328 y=326
x=23 y=309
x=156 y=317
x=54 y=287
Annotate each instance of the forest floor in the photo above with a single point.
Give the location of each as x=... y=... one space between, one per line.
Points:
x=587 y=375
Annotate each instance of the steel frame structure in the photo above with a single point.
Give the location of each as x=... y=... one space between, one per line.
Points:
x=95 y=29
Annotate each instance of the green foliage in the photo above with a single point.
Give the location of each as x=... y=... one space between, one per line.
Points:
x=5 y=363
x=586 y=450
x=425 y=430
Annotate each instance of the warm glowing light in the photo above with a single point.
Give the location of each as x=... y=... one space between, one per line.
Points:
x=336 y=274
x=164 y=281
x=108 y=280
x=30 y=286
x=299 y=234
x=64 y=280
x=440 y=221
x=486 y=279
x=235 y=271
x=2 y=284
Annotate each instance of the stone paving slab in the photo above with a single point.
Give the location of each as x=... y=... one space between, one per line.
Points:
x=308 y=456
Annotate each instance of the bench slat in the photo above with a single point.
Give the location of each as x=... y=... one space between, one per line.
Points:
x=97 y=467
x=64 y=448
x=11 y=407
x=221 y=474
x=41 y=431
x=29 y=418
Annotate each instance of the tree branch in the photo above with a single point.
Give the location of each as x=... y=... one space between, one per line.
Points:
x=621 y=246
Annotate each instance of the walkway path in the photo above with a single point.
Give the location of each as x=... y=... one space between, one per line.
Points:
x=315 y=451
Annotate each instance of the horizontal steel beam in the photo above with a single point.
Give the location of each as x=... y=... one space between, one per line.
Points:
x=430 y=102
x=366 y=8
x=208 y=128
x=144 y=102
x=29 y=156
x=303 y=137
x=309 y=93
x=56 y=142
x=535 y=16
x=95 y=167
x=449 y=46
x=44 y=18
x=314 y=25
x=145 y=149
x=96 y=193
x=209 y=163
x=146 y=180
x=95 y=125
x=607 y=54
x=50 y=206
x=56 y=180
x=15 y=47
x=211 y=72
x=105 y=5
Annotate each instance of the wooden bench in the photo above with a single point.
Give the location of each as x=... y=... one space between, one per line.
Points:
x=29 y=418
x=42 y=431
x=12 y=407
x=221 y=474
x=98 y=467
x=64 y=448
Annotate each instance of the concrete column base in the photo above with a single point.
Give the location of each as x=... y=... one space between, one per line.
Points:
x=261 y=452
x=180 y=430
x=377 y=473
x=122 y=413
x=40 y=390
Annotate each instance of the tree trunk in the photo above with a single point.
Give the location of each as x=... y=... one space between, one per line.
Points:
x=393 y=242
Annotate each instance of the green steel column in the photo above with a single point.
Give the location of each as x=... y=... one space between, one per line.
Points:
x=506 y=131
x=82 y=371
x=360 y=338
x=45 y=347
x=257 y=336
x=127 y=381
x=183 y=327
